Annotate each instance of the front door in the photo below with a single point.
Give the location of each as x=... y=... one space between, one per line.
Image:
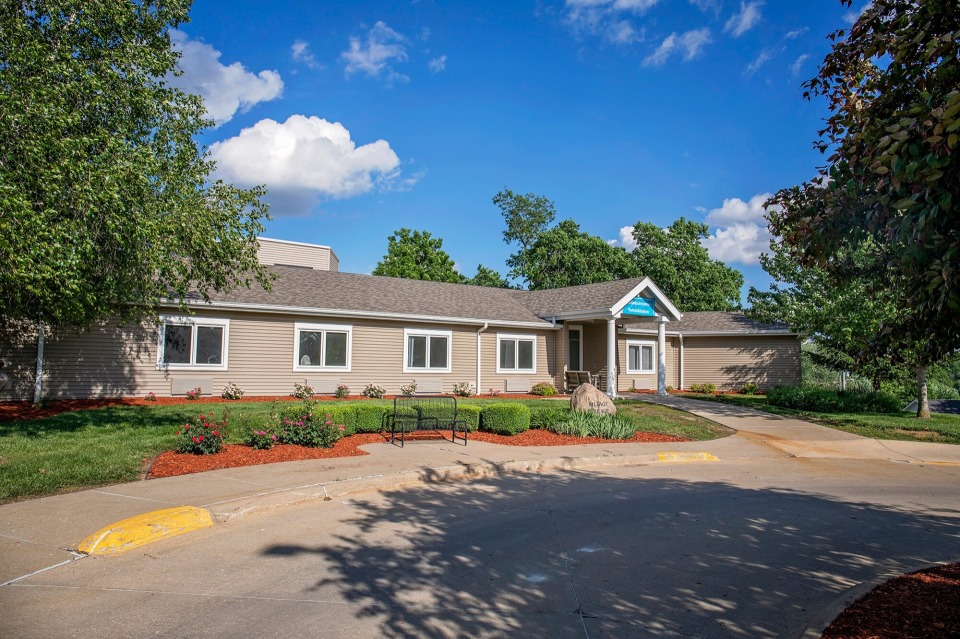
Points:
x=575 y=348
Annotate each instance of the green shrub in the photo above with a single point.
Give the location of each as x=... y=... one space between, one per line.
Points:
x=545 y=417
x=749 y=389
x=304 y=425
x=261 y=439
x=703 y=388
x=342 y=391
x=587 y=424
x=471 y=414
x=505 y=419
x=828 y=400
x=544 y=389
x=374 y=391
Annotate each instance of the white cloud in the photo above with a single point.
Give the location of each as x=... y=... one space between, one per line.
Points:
x=438 y=64
x=796 y=33
x=798 y=63
x=224 y=89
x=375 y=56
x=740 y=230
x=608 y=18
x=689 y=44
x=711 y=6
x=746 y=19
x=764 y=57
x=626 y=239
x=304 y=159
x=300 y=52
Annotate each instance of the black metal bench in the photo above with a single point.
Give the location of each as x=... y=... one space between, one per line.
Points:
x=426 y=412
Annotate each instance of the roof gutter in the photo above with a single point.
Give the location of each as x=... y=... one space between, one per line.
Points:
x=305 y=310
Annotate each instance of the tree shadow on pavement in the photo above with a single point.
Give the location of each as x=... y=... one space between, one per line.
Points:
x=583 y=554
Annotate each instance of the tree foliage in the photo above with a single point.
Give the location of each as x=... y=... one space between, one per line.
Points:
x=106 y=202
x=526 y=217
x=892 y=84
x=488 y=277
x=566 y=256
x=417 y=255
x=678 y=263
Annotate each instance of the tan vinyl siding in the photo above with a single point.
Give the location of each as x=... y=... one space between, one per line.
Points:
x=648 y=381
x=731 y=362
x=295 y=254
x=546 y=359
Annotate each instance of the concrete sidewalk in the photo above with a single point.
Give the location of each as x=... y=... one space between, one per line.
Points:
x=41 y=533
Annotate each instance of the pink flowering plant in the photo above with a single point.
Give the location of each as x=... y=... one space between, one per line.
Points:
x=261 y=439
x=342 y=391
x=151 y=397
x=194 y=393
x=306 y=427
x=202 y=437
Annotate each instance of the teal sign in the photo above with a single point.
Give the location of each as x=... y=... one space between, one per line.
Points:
x=641 y=307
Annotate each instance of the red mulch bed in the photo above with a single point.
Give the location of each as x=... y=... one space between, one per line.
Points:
x=921 y=605
x=170 y=463
x=14 y=411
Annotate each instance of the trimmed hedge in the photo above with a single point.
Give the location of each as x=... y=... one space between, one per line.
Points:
x=470 y=413
x=827 y=400
x=505 y=419
x=356 y=418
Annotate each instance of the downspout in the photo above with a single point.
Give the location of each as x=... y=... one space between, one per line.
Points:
x=681 y=362
x=482 y=329
x=38 y=382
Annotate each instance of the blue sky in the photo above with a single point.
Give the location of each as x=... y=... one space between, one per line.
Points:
x=365 y=117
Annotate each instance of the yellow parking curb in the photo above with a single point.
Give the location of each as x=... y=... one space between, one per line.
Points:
x=145 y=529
x=686 y=457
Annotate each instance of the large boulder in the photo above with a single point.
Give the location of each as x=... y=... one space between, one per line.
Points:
x=589 y=398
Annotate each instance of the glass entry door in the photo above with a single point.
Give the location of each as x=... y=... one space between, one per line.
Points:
x=575 y=348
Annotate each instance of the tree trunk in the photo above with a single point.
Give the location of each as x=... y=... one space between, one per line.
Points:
x=923 y=403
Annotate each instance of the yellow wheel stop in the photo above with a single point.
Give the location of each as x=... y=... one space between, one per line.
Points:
x=145 y=529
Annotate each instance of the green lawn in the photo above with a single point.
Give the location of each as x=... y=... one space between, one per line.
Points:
x=941 y=429
x=90 y=448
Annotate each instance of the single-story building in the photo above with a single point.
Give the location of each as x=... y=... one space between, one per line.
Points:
x=322 y=327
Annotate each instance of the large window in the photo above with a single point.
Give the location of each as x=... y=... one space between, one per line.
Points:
x=193 y=342
x=516 y=353
x=322 y=347
x=426 y=351
x=640 y=357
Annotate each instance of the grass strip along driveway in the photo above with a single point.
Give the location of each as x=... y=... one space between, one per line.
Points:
x=939 y=429
x=87 y=448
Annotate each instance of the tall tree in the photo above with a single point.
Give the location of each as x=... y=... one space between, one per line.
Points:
x=416 y=255
x=892 y=172
x=106 y=202
x=527 y=217
x=676 y=261
x=488 y=277
x=566 y=256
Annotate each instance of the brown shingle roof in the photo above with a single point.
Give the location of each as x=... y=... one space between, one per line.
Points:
x=346 y=292
x=585 y=297
x=723 y=322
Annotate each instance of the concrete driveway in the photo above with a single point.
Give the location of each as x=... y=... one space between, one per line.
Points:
x=774 y=537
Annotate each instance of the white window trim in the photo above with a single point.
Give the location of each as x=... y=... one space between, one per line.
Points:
x=653 y=358
x=516 y=337
x=333 y=328
x=195 y=322
x=572 y=327
x=424 y=332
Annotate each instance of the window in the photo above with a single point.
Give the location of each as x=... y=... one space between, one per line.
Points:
x=640 y=357
x=320 y=347
x=516 y=353
x=575 y=348
x=193 y=342
x=426 y=351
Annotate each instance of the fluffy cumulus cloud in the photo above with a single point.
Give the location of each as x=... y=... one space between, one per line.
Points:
x=608 y=19
x=745 y=19
x=688 y=45
x=739 y=230
x=225 y=89
x=375 y=55
x=303 y=160
x=626 y=238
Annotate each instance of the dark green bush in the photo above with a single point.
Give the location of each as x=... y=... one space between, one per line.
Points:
x=544 y=389
x=828 y=400
x=545 y=417
x=505 y=419
x=749 y=389
x=366 y=418
x=470 y=413
x=587 y=424
x=703 y=388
